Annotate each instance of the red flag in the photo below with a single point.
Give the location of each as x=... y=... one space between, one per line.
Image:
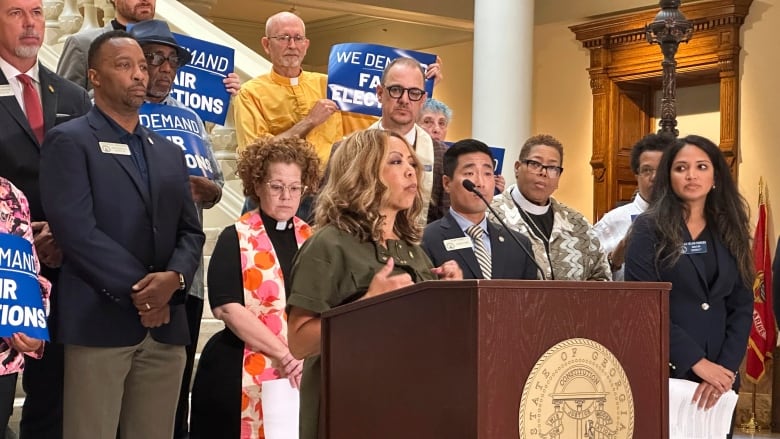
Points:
x=763 y=333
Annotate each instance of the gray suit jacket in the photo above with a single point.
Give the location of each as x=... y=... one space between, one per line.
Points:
x=73 y=61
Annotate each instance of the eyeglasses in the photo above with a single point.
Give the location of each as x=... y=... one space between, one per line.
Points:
x=647 y=171
x=552 y=170
x=396 y=91
x=277 y=189
x=286 y=38
x=156 y=59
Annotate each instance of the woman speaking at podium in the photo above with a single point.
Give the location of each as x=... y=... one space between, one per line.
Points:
x=366 y=244
x=698 y=228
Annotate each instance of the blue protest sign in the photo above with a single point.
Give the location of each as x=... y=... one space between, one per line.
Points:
x=498 y=158
x=198 y=84
x=354 y=71
x=21 y=304
x=181 y=127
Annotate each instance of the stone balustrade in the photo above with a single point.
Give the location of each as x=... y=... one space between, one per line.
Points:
x=66 y=17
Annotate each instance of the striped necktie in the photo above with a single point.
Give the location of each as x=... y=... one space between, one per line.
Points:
x=480 y=251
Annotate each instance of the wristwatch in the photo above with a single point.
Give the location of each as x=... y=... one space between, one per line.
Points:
x=182 y=284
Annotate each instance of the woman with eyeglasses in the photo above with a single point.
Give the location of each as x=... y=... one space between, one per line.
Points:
x=367 y=244
x=563 y=241
x=696 y=235
x=248 y=285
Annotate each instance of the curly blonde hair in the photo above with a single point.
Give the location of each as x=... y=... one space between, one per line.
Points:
x=257 y=158
x=354 y=193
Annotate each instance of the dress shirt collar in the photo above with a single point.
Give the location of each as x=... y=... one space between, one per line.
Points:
x=284 y=80
x=464 y=224
x=272 y=224
x=10 y=72
x=640 y=203
x=410 y=136
x=121 y=132
x=533 y=209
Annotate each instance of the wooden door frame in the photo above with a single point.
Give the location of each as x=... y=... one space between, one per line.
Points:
x=621 y=56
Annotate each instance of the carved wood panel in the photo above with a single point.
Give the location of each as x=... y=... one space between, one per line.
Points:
x=625 y=70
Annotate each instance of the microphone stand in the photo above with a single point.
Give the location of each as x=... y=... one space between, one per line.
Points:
x=471 y=187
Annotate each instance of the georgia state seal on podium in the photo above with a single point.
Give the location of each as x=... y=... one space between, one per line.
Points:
x=577 y=389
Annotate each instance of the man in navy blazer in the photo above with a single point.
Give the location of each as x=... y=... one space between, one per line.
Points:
x=118 y=200
x=60 y=100
x=448 y=238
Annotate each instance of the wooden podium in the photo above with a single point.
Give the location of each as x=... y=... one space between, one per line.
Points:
x=449 y=360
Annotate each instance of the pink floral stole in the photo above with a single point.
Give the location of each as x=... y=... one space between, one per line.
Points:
x=264 y=296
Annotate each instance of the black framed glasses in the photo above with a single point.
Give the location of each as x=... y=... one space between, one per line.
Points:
x=286 y=38
x=277 y=189
x=396 y=91
x=156 y=59
x=551 y=170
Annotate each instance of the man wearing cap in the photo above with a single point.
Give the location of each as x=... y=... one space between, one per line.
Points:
x=119 y=202
x=164 y=56
x=73 y=60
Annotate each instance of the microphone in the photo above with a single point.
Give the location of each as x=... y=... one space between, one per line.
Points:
x=471 y=187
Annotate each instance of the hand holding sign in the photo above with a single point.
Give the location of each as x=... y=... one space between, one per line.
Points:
x=180 y=126
x=322 y=111
x=21 y=302
x=49 y=252
x=23 y=343
x=434 y=71
x=355 y=70
x=232 y=83
x=204 y=191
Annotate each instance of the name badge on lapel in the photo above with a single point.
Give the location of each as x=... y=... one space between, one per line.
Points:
x=457 y=243
x=694 y=247
x=114 y=148
x=5 y=90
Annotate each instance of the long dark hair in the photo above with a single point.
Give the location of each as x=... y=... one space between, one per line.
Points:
x=725 y=210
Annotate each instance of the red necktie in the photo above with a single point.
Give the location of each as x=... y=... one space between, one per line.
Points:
x=32 y=105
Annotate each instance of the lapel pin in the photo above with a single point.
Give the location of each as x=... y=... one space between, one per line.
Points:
x=51 y=89
x=150 y=140
x=500 y=239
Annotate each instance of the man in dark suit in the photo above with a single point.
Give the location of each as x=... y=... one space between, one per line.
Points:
x=482 y=249
x=55 y=100
x=118 y=199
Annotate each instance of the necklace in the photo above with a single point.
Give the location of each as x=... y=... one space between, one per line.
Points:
x=538 y=232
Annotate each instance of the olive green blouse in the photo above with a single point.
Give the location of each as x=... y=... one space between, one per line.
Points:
x=333 y=268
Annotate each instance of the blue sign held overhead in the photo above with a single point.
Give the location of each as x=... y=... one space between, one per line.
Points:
x=21 y=303
x=182 y=128
x=355 y=70
x=498 y=157
x=198 y=84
